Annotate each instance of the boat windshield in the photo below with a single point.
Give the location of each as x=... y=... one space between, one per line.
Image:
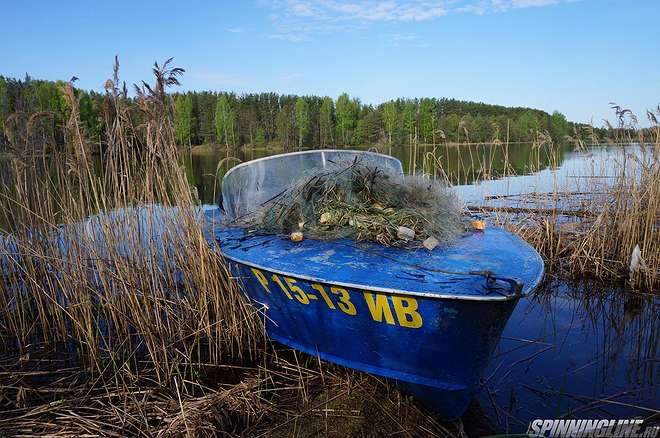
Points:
x=249 y=185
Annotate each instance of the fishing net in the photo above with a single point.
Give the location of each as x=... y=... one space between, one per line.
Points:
x=358 y=200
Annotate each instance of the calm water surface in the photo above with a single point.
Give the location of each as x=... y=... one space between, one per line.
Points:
x=569 y=351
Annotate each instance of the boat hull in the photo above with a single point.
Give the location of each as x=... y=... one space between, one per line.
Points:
x=435 y=348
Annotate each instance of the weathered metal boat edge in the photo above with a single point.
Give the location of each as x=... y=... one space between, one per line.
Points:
x=394 y=291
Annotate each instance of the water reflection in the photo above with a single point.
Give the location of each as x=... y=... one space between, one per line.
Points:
x=574 y=351
x=206 y=166
x=462 y=165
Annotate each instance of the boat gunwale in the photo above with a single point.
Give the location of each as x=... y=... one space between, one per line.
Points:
x=536 y=281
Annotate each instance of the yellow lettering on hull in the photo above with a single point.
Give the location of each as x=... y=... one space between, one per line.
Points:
x=344 y=300
x=261 y=278
x=405 y=309
x=405 y=312
x=379 y=307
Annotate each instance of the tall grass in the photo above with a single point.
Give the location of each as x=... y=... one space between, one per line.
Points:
x=119 y=317
x=115 y=261
x=607 y=226
x=109 y=270
x=610 y=227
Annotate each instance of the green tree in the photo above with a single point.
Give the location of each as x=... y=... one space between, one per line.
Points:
x=260 y=136
x=525 y=127
x=4 y=105
x=346 y=117
x=37 y=96
x=326 y=122
x=302 y=120
x=90 y=115
x=284 y=125
x=449 y=125
x=479 y=128
x=389 y=119
x=369 y=127
x=427 y=120
x=559 y=127
x=224 y=121
x=183 y=110
x=204 y=126
x=247 y=118
x=410 y=120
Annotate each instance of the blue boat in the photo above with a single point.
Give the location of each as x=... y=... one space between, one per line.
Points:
x=429 y=320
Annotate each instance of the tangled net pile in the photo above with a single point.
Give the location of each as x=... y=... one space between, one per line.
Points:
x=363 y=202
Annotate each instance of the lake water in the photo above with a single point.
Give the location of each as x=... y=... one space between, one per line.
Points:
x=465 y=167
x=569 y=351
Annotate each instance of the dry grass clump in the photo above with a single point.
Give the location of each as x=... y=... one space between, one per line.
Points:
x=117 y=315
x=91 y=264
x=285 y=395
x=610 y=227
x=363 y=202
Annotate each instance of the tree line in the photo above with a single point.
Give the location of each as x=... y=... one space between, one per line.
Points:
x=291 y=121
x=313 y=121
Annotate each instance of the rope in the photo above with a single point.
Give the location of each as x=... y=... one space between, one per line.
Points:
x=515 y=284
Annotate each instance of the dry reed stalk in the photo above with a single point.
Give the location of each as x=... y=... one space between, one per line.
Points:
x=286 y=395
x=618 y=205
x=118 y=318
x=107 y=264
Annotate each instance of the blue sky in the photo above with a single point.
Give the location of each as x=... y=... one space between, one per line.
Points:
x=575 y=56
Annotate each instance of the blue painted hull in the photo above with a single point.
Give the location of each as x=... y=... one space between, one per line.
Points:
x=428 y=320
x=434 y=348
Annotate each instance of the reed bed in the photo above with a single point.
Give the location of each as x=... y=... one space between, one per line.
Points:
x=119 y=318
x=91 y=262
x=293 y=395
x=604 y=226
